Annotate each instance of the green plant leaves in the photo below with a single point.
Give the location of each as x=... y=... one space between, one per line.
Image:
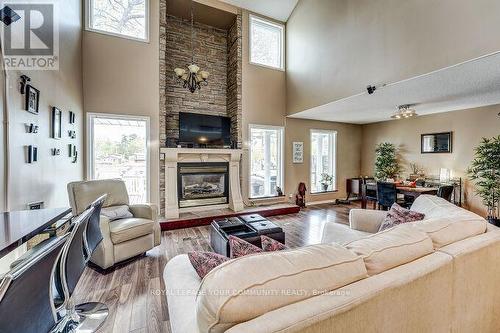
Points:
x=386 y=162
x=484 y=171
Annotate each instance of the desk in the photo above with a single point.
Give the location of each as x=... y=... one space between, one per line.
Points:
x=18 y=227
x=406 y=190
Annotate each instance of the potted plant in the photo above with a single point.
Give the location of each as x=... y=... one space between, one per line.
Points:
x=386 y=161
x=485 y=173
x=326 y=180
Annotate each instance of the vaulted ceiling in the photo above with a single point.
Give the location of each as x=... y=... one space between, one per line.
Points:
x=277 y=9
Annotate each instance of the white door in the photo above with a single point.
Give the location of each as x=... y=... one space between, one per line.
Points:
x=118 y=148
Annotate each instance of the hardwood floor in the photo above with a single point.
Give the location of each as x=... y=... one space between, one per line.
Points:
x=133 y=292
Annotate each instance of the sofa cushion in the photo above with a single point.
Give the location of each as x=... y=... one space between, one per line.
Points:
x=269 y=244
x=399 y=215
x=451 y=229
x=204 y=262
x=392 y=247
x=116 y=212
x=239 y=247
x=131 y=228
x=247 y=287
x=446 y=223
x=83 y=193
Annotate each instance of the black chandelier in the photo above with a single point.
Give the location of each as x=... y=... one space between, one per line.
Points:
x=193 y=77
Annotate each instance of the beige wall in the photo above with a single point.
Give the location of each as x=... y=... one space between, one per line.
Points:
x=348 y=150
x=121 y=76
x=264 y=103
x=335 y=48
x=263 y=99
x=46 y=180
x=468 y=127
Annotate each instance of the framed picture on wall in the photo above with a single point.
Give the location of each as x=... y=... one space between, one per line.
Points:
x=32 y=101
x=56 y=128
x=298 y=152
x=436 y=143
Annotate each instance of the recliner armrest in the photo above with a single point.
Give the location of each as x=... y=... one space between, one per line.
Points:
x=144 y=211
x=366 y=220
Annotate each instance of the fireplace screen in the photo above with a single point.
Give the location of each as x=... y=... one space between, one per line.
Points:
x=203 y=184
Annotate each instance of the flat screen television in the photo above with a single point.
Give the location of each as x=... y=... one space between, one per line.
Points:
x=198 y=130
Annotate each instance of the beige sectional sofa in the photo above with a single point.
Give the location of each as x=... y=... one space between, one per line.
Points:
x=436 y=275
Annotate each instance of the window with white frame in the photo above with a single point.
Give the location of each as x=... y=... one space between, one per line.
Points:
x=267 y=43
x=266 y=161
x=123 y=18
x=117 y=147
x=323 y=145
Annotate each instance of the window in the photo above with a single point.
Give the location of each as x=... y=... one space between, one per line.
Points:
x=266 y=43
x=323 y=177
x=118 y=148
x=266 y=160
x=124 y=18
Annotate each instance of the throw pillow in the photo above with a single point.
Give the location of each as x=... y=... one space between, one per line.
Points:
x=269 y=244
x=239 y=248
x=204 y=262
x=399 y=215
x=116 y=212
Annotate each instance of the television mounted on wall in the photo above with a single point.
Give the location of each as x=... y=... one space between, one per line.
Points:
x=204 y=131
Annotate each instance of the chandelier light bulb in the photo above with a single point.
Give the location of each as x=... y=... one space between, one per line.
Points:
x=404 y=111
x=193 y=68
x=179 y=72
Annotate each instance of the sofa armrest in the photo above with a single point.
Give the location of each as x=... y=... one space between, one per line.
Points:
x=145 y=211
x=366 y=220
x=150 y=212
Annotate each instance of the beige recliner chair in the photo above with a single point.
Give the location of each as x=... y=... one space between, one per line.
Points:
x=122 y=238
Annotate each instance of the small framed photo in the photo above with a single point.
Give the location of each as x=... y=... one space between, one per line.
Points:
x=71 y=117
x=32 y=154
x=56 y=132
x=298 y=152
x=32 y=99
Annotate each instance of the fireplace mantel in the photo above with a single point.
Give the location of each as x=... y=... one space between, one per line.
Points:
x=173 y=156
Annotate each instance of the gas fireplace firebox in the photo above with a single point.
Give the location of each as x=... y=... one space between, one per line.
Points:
x=202 y=184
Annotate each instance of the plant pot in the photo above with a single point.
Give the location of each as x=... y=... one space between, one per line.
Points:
x=324 y=187
x=494 y=220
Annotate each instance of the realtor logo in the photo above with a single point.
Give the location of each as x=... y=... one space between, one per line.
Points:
x=30 y=35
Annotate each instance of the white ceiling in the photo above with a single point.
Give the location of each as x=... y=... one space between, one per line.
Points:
x=471 y=84
x=277 y=9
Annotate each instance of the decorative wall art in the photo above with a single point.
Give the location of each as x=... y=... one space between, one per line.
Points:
x=32 y=99
x=436 y=143
x=56 y=129
x=73 y=153
x=32 y=154
x=31 y=128
x=72 y=117
x=298 y=152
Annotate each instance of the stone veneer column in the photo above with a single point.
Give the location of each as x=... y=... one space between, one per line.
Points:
x=217 y=51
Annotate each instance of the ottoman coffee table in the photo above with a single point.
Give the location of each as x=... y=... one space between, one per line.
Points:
x=246 y=227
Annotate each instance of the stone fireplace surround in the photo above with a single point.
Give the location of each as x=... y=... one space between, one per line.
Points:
x=174 y=156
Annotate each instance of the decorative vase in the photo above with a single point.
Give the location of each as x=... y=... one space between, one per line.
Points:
x=324 y=187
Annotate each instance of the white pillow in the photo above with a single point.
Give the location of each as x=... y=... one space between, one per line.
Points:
x=116 y=212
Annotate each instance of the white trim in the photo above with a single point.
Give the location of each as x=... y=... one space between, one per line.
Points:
x=333 y=152
x=147 y=18
x=282 y=44
x=90 y=144
x=281 y=157
x=322 y=202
